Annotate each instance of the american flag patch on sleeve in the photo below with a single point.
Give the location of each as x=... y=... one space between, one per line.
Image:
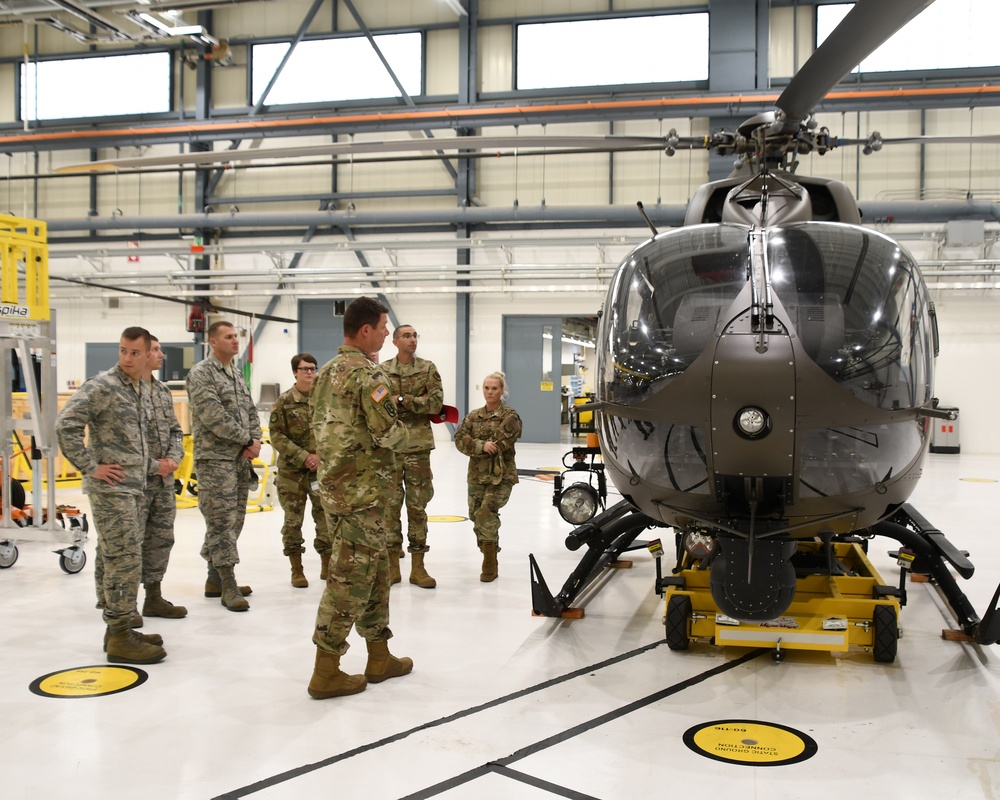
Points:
x=380 y=394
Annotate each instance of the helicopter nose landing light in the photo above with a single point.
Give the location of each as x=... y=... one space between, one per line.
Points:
x=752 y=422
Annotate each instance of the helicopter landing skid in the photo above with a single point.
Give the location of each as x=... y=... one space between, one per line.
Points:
x=607 y=536
x=926 y=551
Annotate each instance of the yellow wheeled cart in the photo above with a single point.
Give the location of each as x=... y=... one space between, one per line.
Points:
x=852 y=608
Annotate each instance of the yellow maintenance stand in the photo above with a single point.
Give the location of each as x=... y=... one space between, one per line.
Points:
x=28 y=354
x=842 y=604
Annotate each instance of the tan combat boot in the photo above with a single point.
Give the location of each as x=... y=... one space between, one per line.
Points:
x=328 y=680
x=418 y=574
x=324 y=565
x=126 y=647
x=383 y=665
x=155 y=606
x=232 y=597
x=394 y=575
x=490 y=571
x=148 y=638
x=213 y=586
x=299 y=580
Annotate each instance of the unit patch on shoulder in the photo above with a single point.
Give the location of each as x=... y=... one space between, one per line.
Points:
x=380 y=394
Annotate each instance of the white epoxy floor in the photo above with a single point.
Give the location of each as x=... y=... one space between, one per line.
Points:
x=500 y=704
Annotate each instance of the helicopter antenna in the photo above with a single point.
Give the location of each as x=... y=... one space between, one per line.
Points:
x=645 y=216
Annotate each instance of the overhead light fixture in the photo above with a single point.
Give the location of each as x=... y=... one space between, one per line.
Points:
x=456 y=6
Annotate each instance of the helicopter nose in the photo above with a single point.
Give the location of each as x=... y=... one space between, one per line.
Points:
x=753 y=405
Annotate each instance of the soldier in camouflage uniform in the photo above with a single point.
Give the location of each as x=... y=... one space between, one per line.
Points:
x=356 y=428
x=292 y=437
x=416 y=385
x=166 y=448
x=102 y=431
x=227 y=436
x=487 y=435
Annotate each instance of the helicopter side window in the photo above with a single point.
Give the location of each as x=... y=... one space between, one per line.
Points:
x=860 y=308
x=668 y=299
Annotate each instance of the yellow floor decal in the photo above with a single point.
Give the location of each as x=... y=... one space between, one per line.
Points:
x=445 y=518
x=745 y=741
x=93 y=681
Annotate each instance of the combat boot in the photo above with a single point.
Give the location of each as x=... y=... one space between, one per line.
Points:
x=213 y=585
x=127 y=647
x=299 y=580
x=324 y=565
x=383 y=665
x=155 y=606
x=490 y=570
x=328 y=680
x=148 y=638
x=232 y=597
x=418 y=574
x=394 y=575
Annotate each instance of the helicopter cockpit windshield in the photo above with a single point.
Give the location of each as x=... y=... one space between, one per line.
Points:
x=860 y=309
x=665 y=305
x=853 y=297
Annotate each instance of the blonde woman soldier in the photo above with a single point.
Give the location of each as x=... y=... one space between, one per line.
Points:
x=487 y=436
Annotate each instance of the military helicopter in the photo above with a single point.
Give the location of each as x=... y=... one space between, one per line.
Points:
x=765 y=384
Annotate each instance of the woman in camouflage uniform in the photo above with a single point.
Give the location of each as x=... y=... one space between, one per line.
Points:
x=487 y=435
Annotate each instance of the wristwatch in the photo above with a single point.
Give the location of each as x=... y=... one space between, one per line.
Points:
x=249 y=442
x=399 y=399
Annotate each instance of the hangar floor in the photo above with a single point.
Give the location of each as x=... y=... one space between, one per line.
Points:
x=500 y=704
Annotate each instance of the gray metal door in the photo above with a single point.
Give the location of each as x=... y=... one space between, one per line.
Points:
x=532 y=362
x=99 y=357
x=320 y=332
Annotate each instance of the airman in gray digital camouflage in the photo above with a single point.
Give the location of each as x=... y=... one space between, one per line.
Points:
x=165 y=440
x=487 y=435
x=356 y=428
x=416 y=385
x=227 y=438
x=290 y=428
x=102 y=431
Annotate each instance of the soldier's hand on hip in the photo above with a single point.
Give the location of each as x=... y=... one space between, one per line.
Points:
x=111 y=474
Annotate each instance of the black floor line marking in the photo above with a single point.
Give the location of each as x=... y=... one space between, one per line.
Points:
x=299 y=771
x=290 y=774
x=531 y=780
x=576 y=730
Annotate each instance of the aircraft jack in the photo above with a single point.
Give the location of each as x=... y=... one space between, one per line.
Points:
x=840 y=602
x=834 y=609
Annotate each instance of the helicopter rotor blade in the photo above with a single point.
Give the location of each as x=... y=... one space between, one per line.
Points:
x=862 y=31
x=344 y=149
